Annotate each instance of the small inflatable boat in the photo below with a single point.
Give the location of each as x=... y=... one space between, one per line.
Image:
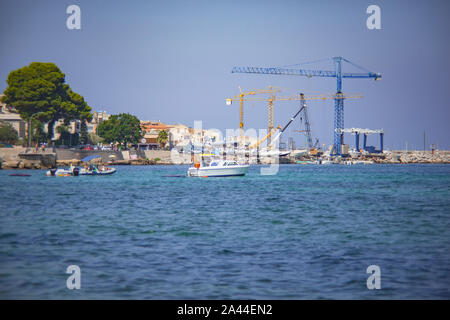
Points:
x=72 y=171
x=95 y=171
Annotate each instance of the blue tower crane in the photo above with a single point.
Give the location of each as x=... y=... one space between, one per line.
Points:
x=337 y=73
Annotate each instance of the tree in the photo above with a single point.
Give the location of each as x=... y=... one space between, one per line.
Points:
x=65 y=137
x=83 y=133
x=123 y=128
x=8 y=133
x=39 y=90
x=37 y=132
x=94 y=139
x=81 y=112
x=162 y=139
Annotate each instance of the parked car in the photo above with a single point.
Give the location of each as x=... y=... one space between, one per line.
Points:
x=88 y=147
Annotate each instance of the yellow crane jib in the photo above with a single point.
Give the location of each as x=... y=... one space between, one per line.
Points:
x=241 y=99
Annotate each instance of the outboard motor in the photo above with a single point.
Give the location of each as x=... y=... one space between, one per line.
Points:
x=76 y=172
x=52 y=172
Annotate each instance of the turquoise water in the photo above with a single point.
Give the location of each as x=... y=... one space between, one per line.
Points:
x=309 y=232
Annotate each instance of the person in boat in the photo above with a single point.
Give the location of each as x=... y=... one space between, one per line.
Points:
x=94 y=169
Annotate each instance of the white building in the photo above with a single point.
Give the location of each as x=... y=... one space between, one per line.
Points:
x=179 y=134
x=14 y=119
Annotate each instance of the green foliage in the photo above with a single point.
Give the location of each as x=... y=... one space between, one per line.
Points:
x=83 y=132
x=65 y=137
x=39 y=89
x=8 y=133
x=162 y=139
x=157 y=159
x=122 y=128
x=94 y=139
x=38 y=134
x=62 y=129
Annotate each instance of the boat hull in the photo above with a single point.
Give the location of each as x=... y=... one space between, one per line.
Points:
x=59 y=173
x=218 y=172
x=99 y=173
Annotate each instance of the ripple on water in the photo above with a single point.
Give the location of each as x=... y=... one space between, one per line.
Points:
x=307 y=233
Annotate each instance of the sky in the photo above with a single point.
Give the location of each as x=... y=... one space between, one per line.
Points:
x=171 y=60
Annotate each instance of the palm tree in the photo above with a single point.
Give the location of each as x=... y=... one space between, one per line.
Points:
x=163 y=137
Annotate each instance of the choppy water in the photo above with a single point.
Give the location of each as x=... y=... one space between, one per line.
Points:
x=308 y=232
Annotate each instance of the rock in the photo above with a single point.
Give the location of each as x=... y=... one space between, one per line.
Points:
x=10 y=164
x=28 y=165
x=122 y=162
x=48 y=160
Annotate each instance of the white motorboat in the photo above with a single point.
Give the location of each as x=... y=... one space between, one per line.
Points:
x=351 y=162
x=218 y=168
x=269 y=153
x=59 y=172
x=75 y=171
x=327 y=162
x=95 y=171
x=299 y=153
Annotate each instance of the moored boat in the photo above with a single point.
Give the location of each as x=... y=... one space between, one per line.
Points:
x=218 y=168
x=95 y=171
x=61 y=172
x=84 y=171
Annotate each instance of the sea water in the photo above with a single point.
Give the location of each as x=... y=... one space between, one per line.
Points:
x=308 y=232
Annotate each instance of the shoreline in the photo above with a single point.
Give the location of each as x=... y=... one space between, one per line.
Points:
x=17 y=158
x=25 y=166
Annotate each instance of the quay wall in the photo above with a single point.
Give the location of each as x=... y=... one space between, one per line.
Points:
x=70 y=154
x=17 y=158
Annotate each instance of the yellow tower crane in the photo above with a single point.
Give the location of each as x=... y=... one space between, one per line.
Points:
x=297 y=97
x=241 y=98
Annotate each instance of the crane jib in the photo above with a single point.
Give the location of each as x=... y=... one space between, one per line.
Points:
x=292 y=119
x=301 y=72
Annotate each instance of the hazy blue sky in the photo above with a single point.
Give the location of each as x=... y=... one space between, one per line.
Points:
x=171 y=60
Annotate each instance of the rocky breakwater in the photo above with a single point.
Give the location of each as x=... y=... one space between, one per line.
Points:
x=404 y=157
x=31 y=161
x=393 y=157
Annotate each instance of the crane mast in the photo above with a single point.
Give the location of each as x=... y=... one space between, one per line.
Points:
x=307 y=124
